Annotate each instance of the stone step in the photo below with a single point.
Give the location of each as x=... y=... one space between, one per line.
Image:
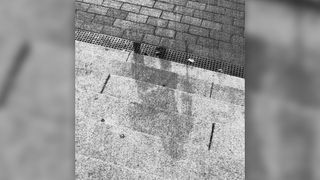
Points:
x=175 y=137
x=95 y=58
x=147 y=128
x=99 y=74
x=154 y=95
x=92 y=168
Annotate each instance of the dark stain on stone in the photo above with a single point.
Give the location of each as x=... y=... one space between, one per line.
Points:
x=90 y=174
x=173 y=129
x=136 y=47
x=160 y=52
x=102 y=120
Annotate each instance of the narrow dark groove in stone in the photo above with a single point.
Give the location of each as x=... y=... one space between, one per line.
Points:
x=211 y=90
x=128 y=56
x=212 y=131
x=105 y=83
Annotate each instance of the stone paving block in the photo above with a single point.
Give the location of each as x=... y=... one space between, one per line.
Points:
x=240 y=7
x=190 y=39
x=239 y=22
x=177 y=2
x=203 y=15
x=171 y=16
x=164 y=6
x=116 y=13
x=184 y=10
x=131 y=7
x=84 y=16
x=232 y=5
x=150 y=12
x=215 y=9
x=78 y=23
x=104 y=20
x=223 y=19
x=207 y=42
x=214 y=53
x=199 y=31
x=196 y=5
x=238 y=1
x=232 y=29
x=124 y=24
x=211 y=25
x=112 y=31
x=225 y=45
x=225 y=3
x=81 y=6
x=173 y=44
x=142 y=28
x=222 y=36
x=235 y=39
x=165 y=32
x=148 y=3
x=151 y=39
x=198 y=50
x=235 y=13
x=137 y=17
x=133 y=35
x=97 y=2
x=157 y=22
x=91 y=26
x=191 y=20
x=178 y=26
x=98 y=9
x=112 y=4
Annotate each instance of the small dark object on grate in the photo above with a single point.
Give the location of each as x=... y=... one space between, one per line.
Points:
x=102 y=120
x=160 y=52
x=136 y=47
x=122 y=136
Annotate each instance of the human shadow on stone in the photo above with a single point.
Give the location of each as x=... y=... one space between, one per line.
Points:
x=161 y=107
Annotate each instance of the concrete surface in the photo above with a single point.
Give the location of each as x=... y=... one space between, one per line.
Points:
x=139 y=129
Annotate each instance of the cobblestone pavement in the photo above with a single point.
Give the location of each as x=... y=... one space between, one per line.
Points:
x=209 y=28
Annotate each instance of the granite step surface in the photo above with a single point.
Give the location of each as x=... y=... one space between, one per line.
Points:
x=154 y=141
x=89 y=52
x=98 y=68
x=92 y=168
x=129 y=125
x=153 y=95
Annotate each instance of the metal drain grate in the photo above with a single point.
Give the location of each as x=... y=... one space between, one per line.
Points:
x=170 y=55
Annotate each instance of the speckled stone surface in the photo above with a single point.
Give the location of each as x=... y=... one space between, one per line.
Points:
x=138 y=129
x=94 y=63
x=95 y=52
